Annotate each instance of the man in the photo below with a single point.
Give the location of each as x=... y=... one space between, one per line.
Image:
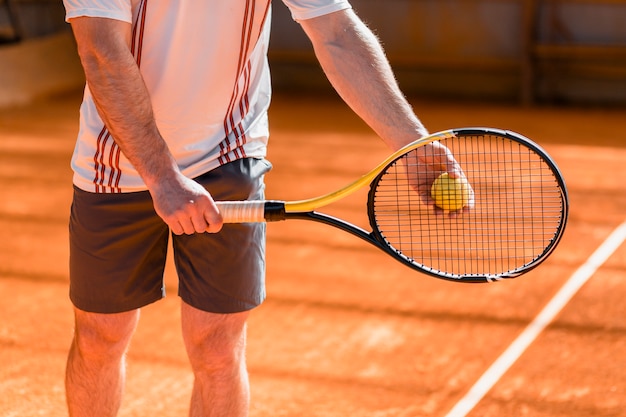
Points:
x=174 y=115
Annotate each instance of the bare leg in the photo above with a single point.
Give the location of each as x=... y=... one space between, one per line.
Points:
x=95 y=372
x=216 y=345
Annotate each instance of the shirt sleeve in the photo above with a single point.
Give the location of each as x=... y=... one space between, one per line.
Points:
x=308 y=9
x=112 y=9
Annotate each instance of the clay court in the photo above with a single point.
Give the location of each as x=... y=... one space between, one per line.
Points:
x=346 y=330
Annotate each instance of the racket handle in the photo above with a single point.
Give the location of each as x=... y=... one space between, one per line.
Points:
x=242 y=211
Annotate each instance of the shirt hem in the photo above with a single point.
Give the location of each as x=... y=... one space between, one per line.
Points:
x=88 y=185
x=110 y=14
x=320 y=12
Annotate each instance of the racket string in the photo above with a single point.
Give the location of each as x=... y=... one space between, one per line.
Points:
x=518 y=209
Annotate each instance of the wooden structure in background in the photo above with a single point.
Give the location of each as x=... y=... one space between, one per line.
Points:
x=590 y=55
x=11 y=31
x=487 y=49
x=26 y=19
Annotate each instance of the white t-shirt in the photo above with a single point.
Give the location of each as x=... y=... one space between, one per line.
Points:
x=205 y=66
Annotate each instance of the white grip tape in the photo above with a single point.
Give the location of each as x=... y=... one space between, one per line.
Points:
x=242 y=211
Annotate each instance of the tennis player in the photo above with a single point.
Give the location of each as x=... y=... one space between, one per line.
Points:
x=174 y=115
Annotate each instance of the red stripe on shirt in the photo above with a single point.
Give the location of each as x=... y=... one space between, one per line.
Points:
x=102 y=165
x=96 y=156
x=243 y=69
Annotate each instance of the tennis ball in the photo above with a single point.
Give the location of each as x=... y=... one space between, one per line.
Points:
x=450 y=193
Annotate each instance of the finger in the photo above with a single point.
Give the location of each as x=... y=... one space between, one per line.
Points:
x=176 y=228
x=200 y=225
x=213 y=219
x=444 y=161
x=470 y=204
x=452 y=167
x=213 y=228
x=425 y=194
x=454 y=172
x=187 y=225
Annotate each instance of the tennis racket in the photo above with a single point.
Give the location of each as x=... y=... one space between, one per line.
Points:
x=518 y=216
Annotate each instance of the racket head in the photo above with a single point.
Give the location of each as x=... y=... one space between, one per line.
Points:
x=518 y=216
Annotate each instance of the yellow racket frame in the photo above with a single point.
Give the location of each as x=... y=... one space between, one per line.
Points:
x=311 y=204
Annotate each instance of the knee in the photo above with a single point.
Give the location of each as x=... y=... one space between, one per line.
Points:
x=216 y=348
x=217 y=353
x=103 y=336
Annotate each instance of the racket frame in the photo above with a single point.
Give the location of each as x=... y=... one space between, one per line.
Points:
x=317 y=202
x=382 y=243
x=275 y=210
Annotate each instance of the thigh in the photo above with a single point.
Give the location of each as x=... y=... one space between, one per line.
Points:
x=225 y=272
x=118 y=247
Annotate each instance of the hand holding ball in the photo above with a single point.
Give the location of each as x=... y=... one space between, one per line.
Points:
x=449 y=193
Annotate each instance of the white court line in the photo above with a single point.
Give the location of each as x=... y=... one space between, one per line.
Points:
x=556 y=304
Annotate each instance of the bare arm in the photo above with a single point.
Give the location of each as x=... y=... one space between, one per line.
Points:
x=354 y=62
x=357 y=67
x=124 y=104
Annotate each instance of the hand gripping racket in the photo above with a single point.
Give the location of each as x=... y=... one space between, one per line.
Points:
x=519 y=213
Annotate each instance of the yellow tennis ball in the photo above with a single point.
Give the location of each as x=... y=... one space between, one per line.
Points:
x=450 y=193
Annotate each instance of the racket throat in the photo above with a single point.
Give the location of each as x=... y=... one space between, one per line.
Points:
x=337 y=223
x=274 y=211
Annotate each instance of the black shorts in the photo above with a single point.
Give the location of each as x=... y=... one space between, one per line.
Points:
x=118 y=247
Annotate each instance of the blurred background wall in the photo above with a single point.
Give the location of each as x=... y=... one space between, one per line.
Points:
x=525 y=50
x=37 y=52
x=528 y=51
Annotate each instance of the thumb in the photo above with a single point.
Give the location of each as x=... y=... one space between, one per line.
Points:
x=213 y=218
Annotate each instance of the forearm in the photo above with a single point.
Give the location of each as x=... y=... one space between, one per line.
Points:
x=358 y=69
x=121 y=97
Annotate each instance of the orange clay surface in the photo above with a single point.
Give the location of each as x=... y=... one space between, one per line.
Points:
x=346 y=330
